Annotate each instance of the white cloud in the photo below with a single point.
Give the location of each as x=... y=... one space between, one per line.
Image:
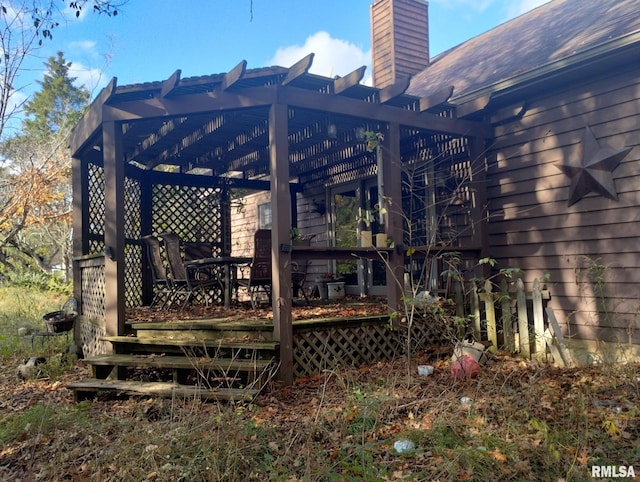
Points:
x=83 y=46
x=332 y=56
x=90 y=78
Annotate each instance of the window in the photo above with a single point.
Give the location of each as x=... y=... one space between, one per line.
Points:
x=264 y=216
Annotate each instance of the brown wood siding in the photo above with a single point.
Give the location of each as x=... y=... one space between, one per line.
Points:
x=399 y=39
x=532 y=228
x=382 y=57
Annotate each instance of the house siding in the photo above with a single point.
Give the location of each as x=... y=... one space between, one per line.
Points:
x=531 y=226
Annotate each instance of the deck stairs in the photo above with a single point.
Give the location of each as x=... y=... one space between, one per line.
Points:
x=203 y=359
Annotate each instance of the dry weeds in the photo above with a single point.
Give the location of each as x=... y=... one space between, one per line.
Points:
x=526 y=421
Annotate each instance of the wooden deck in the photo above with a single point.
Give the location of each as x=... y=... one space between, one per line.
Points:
x=232 y=355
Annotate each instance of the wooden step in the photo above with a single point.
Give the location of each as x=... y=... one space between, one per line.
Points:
x=194 y=342
x=84 y=389
x=203 y=325
x=182 y=362
x=247 y=336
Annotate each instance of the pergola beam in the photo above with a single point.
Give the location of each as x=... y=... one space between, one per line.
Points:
x=394 y=90
x=296 y=97
x=473 y=107
x=437 y=99
x=342 y=84
x=170 y=84
x=92 y=120
x=298 y=69
x=234 y=75
x=193 y=104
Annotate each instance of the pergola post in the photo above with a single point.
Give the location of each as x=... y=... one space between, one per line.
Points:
x=114 y=269
x=478 y=187
x=392 y=172
x=281 y=237
x=80 y=215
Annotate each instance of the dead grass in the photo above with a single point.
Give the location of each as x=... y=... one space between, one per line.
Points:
x=526 y=422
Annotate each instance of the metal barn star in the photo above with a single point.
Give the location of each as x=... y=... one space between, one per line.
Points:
x=592 y=172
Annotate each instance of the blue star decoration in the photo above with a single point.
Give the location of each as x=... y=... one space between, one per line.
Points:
x=593 y=171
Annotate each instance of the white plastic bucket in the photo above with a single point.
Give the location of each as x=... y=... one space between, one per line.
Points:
x=336 y=290
x=322 y=288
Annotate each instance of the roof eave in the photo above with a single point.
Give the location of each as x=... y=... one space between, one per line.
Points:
x=613 y=51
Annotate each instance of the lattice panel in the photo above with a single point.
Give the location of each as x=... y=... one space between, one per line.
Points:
x=132 y=208
x=424 y=332
x=325 y=348
x=93 y=286
x=96 y=246
x=318 y=350
x=96 y=204
x=90 y=334
x=193 y=213
x=132 y=252
x=133 y=275
x=196 y=214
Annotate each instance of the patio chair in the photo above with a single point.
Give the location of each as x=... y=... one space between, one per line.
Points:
x=185 y=282
x=260 y=279
x=298 y=277
x=260 y=270
x=162 y=285
x=197 y=250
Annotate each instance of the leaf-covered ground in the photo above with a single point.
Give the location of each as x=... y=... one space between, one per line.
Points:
x=348 y=307
x=525 y=421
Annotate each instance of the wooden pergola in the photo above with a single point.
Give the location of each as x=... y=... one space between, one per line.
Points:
x=260 y=129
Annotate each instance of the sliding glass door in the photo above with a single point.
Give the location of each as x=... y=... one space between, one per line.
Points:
x=354 y=207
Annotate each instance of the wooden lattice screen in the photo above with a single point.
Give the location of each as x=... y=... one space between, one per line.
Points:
x=96 y=207
x=355 y=342
x=132 y=251
x=196 y=214
x=91 y=323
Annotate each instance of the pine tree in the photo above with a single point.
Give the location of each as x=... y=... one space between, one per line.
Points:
x=59 y=104
x=35 y=214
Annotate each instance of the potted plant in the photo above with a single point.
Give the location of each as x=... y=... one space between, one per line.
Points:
x=364 y=230
x=298 y=239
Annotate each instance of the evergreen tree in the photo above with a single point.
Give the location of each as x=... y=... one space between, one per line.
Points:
x=59 y=104
x=35 y=215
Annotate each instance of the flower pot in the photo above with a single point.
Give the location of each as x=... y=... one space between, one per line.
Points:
x=365 y=239
x=336 y=290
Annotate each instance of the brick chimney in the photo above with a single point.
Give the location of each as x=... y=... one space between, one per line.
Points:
x=399 y=39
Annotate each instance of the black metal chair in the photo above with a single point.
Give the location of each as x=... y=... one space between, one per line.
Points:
x=260 y=280
x=162 y=285
x=185 y=282
x=298 y=277
x=260 y=276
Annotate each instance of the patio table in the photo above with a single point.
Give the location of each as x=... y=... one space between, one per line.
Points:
x=229 y=263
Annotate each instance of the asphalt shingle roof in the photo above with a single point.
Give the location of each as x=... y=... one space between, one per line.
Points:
x=551 y=32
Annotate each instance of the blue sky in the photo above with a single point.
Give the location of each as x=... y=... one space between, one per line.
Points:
x=150 y=39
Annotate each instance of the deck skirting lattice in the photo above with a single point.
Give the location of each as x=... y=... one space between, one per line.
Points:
x=327 y=345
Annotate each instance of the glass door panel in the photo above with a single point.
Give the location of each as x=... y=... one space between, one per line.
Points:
x=346 y=207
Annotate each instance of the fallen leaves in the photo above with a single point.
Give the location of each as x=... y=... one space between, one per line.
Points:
x=525 y=421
